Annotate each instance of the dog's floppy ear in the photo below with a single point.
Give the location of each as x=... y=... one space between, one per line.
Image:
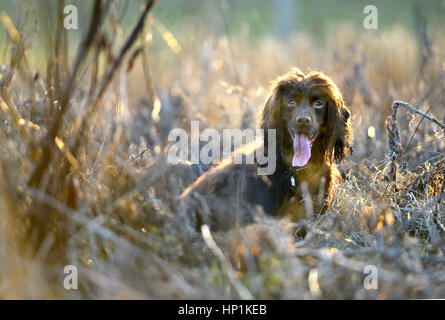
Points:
x=270 y=115
x=339 y=128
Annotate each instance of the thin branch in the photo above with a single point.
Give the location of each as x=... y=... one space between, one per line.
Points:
x=48 y=141
x=427 y=111
x=423 y=114
x=109 y=75
x=395 y=147
x=242 y=291
x=107 y=78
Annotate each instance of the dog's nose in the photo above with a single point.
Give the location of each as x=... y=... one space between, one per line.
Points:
x=304 y=120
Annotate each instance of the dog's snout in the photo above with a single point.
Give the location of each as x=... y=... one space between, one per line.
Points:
x=304 y=120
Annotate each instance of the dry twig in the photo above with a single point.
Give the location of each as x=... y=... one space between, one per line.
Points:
x=242 y=291
x=423 y=114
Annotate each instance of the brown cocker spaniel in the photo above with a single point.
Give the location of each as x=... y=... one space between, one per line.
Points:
x=313 y=130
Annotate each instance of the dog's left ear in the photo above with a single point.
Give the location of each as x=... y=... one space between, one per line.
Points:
x=339 y=128
x=345 y=112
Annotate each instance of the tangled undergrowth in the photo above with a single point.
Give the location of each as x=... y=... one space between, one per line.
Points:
x=85 y=181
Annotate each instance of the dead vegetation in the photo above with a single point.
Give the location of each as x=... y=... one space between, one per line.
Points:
x=84 y=178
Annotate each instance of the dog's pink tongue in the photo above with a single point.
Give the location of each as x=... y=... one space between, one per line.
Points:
x=302 y=150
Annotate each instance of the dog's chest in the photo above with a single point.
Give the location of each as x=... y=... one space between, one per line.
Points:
x=281 y=194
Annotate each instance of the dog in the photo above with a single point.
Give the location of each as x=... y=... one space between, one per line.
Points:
x=313 y=132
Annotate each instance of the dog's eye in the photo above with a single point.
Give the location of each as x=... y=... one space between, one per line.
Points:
x=291 y=102
x=318 y=104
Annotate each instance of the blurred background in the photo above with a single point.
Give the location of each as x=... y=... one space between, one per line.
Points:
x=192 y=45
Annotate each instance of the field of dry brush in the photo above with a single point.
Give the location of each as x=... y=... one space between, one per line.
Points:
x=85 y=181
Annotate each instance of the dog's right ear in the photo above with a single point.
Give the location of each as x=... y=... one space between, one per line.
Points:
x=270 y=116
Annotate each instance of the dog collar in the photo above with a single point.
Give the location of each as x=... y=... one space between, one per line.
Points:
x=291 y=178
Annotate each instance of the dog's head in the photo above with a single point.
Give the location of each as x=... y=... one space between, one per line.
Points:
x=310 y=116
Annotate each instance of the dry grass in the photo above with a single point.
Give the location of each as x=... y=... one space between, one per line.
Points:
x=104 y=199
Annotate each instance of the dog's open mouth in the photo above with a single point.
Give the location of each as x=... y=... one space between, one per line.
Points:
x=302 y=148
